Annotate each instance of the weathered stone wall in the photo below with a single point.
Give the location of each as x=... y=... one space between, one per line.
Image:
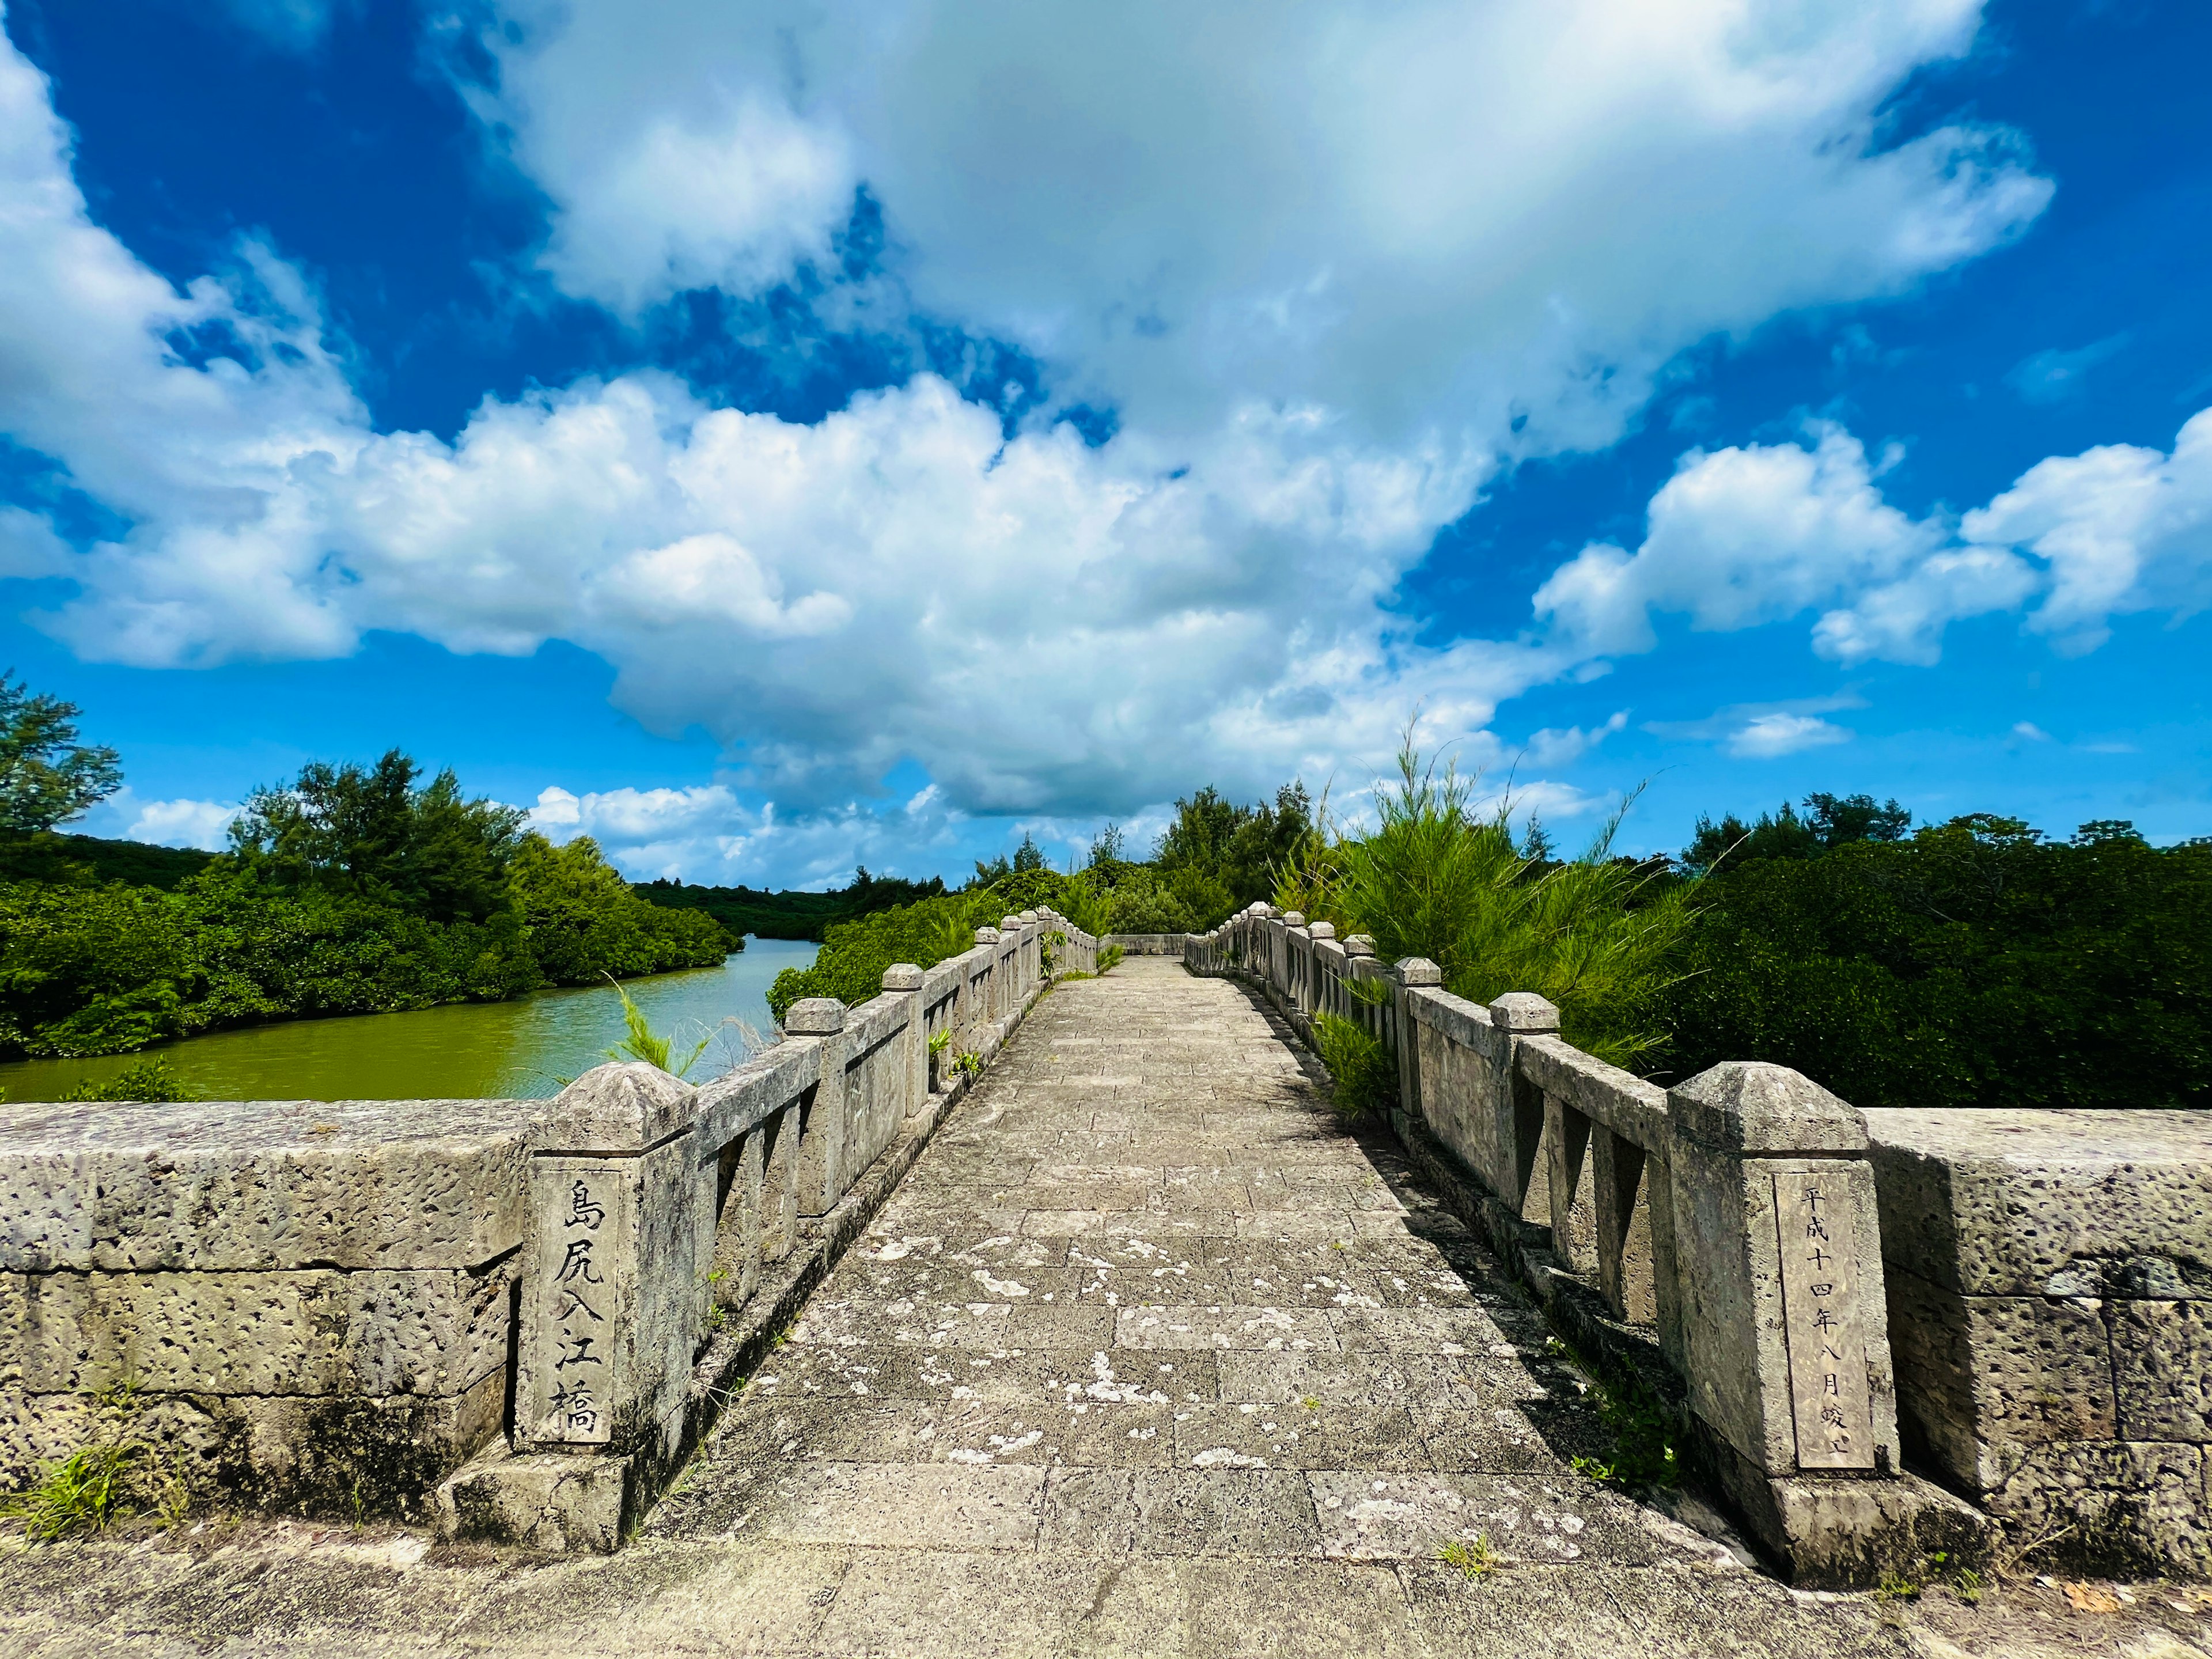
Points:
x=2050 y=1280
x=1725 y=1233
x=308 y=1303
x=2020 y=1303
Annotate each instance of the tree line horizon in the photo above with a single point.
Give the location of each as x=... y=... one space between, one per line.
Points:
x=1974 y=961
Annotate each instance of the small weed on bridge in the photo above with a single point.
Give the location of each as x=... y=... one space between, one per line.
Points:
x=116 y=1478
x=1360 y=1071
x=1644 y=1430
x=1473 y=1556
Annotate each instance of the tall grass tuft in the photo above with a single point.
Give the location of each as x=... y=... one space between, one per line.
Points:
x=1361 y=1078
x=645 y=1043
x=1437 y=878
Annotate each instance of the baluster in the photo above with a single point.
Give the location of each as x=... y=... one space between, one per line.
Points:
x=1567 y=1132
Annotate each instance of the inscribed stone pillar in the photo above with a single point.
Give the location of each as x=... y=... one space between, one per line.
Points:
x=612 y=1296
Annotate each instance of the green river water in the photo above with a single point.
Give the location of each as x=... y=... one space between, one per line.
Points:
x=497 y=1050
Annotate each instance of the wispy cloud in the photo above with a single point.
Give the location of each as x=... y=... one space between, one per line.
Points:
x=2053 y=376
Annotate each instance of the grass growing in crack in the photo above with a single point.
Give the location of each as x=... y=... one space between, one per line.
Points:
x=116 y=1477
x=1643 y=1428
x=1473 y=1556
x=969 y=1064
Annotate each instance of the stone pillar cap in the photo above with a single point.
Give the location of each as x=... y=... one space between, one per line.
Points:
x=1418 y=970
x=1525 y=1012
x=1322 y=930
x=815 y=1017
x=622 y=1106
x=1360 y=945
x=1029 y=915
x=1010 y=924
x=901 y=976
x=1293 y=919
x=986 y=936
x=1751 y=1106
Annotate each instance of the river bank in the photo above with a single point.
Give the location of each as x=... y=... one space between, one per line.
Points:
x=519 y=1048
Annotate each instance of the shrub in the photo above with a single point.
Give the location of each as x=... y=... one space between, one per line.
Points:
x=148 y=1079
x=1362 y=1077
x=1603 y=938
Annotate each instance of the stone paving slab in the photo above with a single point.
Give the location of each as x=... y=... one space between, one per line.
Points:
x=1147 y=1356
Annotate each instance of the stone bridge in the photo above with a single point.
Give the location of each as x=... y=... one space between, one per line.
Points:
x=1113 y=1339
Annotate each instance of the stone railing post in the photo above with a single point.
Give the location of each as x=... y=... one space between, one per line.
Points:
x=1296 y=947
x=977 y=1005
x=1524 y=1115
x=1360 y=963
x=612 y=1296
x=1410 y=973
x=904 y=979
x=1009 y=999
x=1322 y=993
x=824 y=1149
x=1785 y=1326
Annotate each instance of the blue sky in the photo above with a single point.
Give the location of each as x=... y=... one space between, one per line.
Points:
x=769 y=441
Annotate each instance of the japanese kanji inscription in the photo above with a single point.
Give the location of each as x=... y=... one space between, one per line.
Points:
x=1822 y=1320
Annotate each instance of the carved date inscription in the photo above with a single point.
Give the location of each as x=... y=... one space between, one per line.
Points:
x=1822 y=1320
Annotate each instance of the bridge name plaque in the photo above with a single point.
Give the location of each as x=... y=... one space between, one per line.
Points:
x=582 y=1258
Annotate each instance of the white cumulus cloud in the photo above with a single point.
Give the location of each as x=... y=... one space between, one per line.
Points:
x=1767 y=736
x=181 y=822
x=1334 y=268
x=1756 y=535
x=1498 y=219
x=1738 y=538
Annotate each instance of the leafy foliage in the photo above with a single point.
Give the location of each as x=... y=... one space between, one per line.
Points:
x=1362 y=1076
x=46 y=776
x=642 y=1042
x=850 y=964
x=370 y=831
x=742 y=910
x=1972 y=963
x=1829 y=822
x=112 y=1477
x=88 y=860
x=1601 y=937
x=148 y=1079
x=357 y=894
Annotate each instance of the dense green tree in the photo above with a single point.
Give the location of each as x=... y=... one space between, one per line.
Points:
x=1972 y=963
x=369 y=831
x=1216 y=857
x=1829 y=822
x=353 y=892
x=47 y=776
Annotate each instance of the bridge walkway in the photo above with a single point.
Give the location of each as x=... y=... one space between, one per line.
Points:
x=1148 y=1354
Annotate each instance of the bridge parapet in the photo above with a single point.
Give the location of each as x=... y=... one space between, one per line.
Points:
x=1725 y=1235
x=524 y=1313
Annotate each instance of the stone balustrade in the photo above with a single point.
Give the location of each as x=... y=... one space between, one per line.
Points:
x=1729 y=1226
x=2017 y=1302
x=523 y=1312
